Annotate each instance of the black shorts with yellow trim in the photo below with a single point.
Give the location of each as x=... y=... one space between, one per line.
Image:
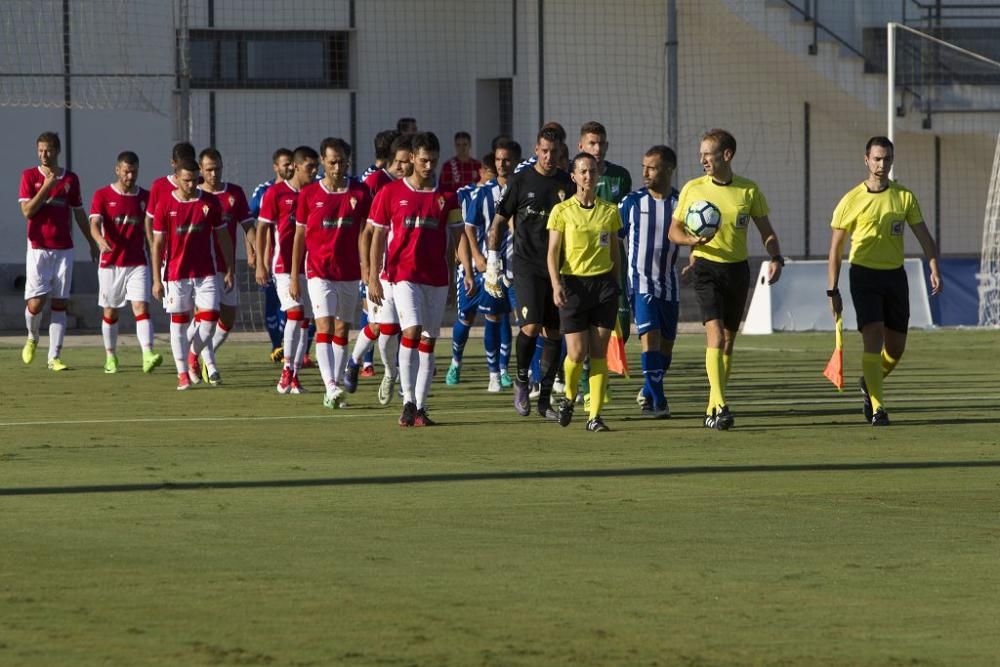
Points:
x=721 y=289
x=591 y=301
x=535 y=304
x=881 y=295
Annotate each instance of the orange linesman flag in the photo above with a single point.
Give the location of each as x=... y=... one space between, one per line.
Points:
x=835 y=367
x=617 y=361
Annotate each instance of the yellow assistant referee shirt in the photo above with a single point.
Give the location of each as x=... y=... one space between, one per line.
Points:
x=587 y=235
x=739 y=202
x=876 y=222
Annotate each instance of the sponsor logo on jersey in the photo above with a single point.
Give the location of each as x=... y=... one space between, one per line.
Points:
x=420 y=222
x=337 y=223
x=112 y=203
x=289 y=202
x=189 y=229
x=127 y=220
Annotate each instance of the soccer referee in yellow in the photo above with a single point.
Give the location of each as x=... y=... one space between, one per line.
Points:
x=583 y=262
x=721 y=272
x=875 y=214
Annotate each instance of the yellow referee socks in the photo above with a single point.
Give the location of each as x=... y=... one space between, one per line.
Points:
x=572 y=371
x=598 y=384
x=871 y=365
x=888 y=363
x=727 y=368
x=716 y=378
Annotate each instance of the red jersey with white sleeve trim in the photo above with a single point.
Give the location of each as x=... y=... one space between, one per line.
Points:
x=49 y=228
x=378 y=179
x=235 y=211
x=159 y=190
x=456 y=173
x=123 y=224
x=278 y=209
x=418 y=224
x=333 y=222
x=189 y=228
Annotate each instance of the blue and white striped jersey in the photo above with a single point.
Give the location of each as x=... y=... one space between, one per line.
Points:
x=480 y=215
x=525 y=164
x=650 y=254
x=258 y=196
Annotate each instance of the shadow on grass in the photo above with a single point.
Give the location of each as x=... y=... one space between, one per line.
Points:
x=434 y=478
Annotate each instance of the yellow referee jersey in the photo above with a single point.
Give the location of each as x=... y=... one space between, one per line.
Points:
x=587 y=235
x=876 y=222
x=739 y=202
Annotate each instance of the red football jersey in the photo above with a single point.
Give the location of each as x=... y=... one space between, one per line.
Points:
x=418 y=222
x=49 y=228
x=159 y=190
x=188 y=228
x=333 y=222
x=278 y=209
x=456 y=173
x=235 y=211
x=123 y=224
x=377 y=180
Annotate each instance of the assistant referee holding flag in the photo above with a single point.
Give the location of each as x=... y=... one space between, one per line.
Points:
x=875 y=214
x=721 y=273
x=583 y=262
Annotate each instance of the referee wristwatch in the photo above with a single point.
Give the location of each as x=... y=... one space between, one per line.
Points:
x=833 y=292
x=779 y=259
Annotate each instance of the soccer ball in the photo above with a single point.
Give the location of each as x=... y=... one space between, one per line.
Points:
x=703 y=219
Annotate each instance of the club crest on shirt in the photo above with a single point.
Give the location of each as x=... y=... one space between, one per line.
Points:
x=232 y=200
x=204 y=209
x=66 y=187
x=524 y=312
x=562 y=195
x=354 y=203
x=142 y=206
x=440 y=201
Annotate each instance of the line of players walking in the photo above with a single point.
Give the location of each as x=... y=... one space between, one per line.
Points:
x=561 y=245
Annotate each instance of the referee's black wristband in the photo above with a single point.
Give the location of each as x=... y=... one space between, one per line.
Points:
x=779 y=259
x=833 y=292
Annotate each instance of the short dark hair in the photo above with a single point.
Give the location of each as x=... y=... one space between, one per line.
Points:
x=490 y=161
x=403 y=142
x=516 y=148
x=550 y=134
x=582 y=155
x=337 y=144
x=884 y=142
x=303 y=153
x=50 y=138
x=383 y=144
x=182 y=150
x=509 y=145
x=665 y=153
x=593 y=127
x=186 y=164
x=723 y=139
x=462 y=134
x=404 y=122
x=497 y=140
x=211 y=154
x=559 y=129
x=427 y=141
x=128 y=157
x=280 y=153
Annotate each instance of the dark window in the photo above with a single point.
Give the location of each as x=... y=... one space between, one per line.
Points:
x=505 y=106
x=271 y=59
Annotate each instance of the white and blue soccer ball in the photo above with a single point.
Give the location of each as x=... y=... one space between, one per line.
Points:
x=702 y=219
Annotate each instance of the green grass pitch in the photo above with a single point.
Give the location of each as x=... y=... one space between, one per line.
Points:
x=234 y=526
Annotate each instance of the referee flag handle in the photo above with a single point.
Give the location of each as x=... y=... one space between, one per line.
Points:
x=834 y=371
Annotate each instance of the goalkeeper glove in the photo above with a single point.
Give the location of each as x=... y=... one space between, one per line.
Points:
x=494 y=278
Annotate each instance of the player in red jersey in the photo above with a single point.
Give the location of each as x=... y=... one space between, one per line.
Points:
x=278 y=209
x=118 y=225
x=417 y=226
x=328 y=221
x=164 y=185
x=463 y=169
x=383 y=322
x=48 y=196
x=235 y=213
x=186 y=224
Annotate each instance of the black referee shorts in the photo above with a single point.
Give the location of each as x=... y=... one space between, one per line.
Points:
x=534 y=299
x=591 y=301
x=881 y=295
x=721 y=289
